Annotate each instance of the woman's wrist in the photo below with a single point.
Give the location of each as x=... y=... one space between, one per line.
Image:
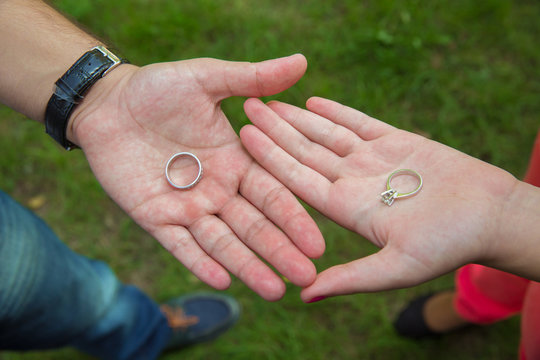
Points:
x=515 y=243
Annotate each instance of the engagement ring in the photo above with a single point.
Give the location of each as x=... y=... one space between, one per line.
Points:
x=391 y=194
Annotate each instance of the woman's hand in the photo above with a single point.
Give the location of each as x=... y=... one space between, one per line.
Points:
x=338 y=160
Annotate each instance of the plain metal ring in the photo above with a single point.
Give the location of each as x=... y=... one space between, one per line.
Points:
x=391 y=194
x=197 y=179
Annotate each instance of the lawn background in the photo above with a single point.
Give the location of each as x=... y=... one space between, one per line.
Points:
x=465 y=73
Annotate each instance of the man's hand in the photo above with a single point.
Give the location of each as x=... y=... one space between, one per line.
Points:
x=135 y=119
x=338 y=160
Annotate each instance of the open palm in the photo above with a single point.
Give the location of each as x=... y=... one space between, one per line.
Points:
x=338 y=160
x=130 y=129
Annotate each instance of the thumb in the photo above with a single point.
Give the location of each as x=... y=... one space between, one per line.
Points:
x=385 y=270
x=223 y=79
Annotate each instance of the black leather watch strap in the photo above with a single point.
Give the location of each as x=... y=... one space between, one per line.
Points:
x=72 y=86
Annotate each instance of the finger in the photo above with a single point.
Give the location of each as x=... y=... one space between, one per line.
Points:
x=361 y=124
x=217 y=239
x=337 y=138
x=279 y=205
x=315 y=156
x=223 y=79
x=179 y=242
x=385 y=270
x=264 y=238
x=305 y=182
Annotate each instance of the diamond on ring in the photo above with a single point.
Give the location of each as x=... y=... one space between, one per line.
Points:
x=389 y=196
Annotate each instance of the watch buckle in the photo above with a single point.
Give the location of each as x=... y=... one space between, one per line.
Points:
x=115 y=59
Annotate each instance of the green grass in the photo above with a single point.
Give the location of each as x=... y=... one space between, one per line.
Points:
x=465 y=73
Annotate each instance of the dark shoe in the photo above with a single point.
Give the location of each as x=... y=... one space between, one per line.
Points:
x=199 y=317
x=410 y=322
x=439 y=307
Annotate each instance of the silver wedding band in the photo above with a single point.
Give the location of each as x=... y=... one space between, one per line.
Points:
x=391 y=194
x=194 y=182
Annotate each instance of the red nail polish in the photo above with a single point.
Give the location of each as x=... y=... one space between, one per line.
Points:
x=315 y=299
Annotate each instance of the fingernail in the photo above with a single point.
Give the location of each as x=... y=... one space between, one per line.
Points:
x=315 y=299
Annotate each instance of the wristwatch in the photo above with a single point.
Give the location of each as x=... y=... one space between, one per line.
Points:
x=72 y=86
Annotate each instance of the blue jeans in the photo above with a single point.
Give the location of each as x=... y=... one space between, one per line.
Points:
x=51 y=297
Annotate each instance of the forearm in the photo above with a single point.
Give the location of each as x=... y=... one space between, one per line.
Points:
x=516 y=244
x=38 y=46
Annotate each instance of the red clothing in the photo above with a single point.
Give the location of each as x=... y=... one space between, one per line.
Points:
x=486 y=295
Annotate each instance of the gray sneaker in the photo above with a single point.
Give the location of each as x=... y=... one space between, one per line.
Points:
x=199 y=317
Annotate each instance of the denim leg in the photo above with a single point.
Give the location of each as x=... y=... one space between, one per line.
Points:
x=52 y=297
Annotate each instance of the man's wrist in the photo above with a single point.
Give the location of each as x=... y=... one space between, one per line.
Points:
x=71 y=88
x=101 y=94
